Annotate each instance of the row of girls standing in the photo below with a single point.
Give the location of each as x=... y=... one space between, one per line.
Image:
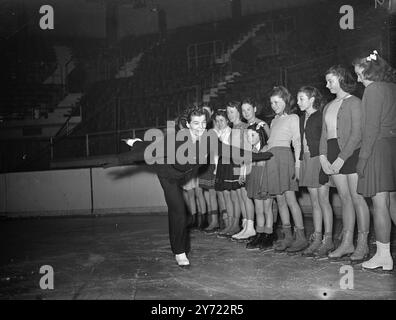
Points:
x=353 y=143
x=221 y=183
x=357 y=150
x=349 y=145
x=230 y=178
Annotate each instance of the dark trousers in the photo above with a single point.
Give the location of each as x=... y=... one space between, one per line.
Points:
x=177 y=216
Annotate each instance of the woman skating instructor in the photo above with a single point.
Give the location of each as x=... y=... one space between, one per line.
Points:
x=174 y=166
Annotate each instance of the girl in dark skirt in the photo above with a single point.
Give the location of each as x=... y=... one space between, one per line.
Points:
x=255 y=208
x=227 y=181
x=377 y=158
x=309 y=100
x=257 y=138
x=339 y=151
x=234 y=114
x=206 y=178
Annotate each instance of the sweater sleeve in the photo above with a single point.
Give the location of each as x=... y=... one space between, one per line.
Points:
x=238 y=155
x=323 y=136
x=372 y=107
x=355 y=133
x=296 y=138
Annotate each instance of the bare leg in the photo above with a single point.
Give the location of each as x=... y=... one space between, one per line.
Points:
x=283 y=209
x=260 y=220
x=317 y=215
x=201 y=199
x=286 y=242
x=208 y=205
x=228 y=203
x=382 y=220
x=295 y=209
x=348 y=218
x=213 y=199
x=230 y=212
x=327 y=211
x=359 y=203
x=210 y=197
x=392 y=196
x=348 y=211
x=237 y=207
x=248 y=205
x=382 y=225
x=223 y=210
x=237 y=212
x=269 y=216
x=241 y=203
x=191 y=201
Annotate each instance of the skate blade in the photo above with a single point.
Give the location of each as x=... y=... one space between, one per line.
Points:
x=253 y=249
x=267 y=250
x=357 y=262
x=280 y=252
x=321 y=258
x=297 y=253
x=341 y=260
x=378 y=270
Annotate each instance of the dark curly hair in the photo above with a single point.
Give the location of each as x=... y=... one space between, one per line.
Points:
x=221 y=113
x=347 y=81
x=313 y=92
x=261 y=132
x=236 y=105
x=249 y=100
x=196 y=111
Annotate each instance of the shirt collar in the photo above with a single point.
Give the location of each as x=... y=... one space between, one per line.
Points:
x=281 y=115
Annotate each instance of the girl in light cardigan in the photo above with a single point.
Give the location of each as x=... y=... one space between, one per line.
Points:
x=339 y=150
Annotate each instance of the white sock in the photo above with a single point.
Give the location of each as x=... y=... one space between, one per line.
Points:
x=383 y=249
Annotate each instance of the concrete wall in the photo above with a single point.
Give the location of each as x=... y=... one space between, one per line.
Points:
x=80 y=192
x=129 y=189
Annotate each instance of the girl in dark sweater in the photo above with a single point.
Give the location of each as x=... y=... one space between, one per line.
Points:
x=377 y=157
x=309 y=100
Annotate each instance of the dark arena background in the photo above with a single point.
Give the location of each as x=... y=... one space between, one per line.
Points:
x=78 y=76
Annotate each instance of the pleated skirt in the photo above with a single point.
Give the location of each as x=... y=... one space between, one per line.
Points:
x=380 y=171
x=309 y=171
x=207 y=177
x=333 y=150
x=226 y=178
x=279 y=172
x=253 y=183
